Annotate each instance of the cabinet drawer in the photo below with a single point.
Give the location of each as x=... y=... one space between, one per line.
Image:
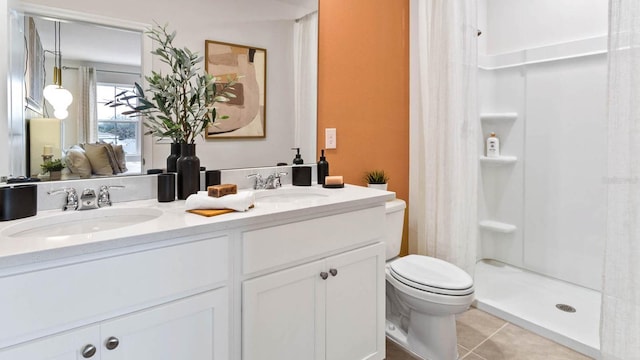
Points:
x=68 y=296
x=283 y=244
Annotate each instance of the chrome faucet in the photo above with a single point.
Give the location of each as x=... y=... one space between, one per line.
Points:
x=272 y=181
x=88 y=200
x=72 y=198
x=104 y=198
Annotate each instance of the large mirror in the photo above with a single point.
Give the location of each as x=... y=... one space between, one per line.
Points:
x=110 y=54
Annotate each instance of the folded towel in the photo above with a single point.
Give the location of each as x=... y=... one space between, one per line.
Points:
x=238 y=202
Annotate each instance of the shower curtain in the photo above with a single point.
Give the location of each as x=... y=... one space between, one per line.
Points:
x=87 y=122
x=444 y=182
x=620 y=317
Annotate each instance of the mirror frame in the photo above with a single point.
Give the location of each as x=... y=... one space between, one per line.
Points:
x=146 y=58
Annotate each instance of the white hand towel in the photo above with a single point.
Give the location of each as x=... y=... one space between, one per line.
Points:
x=238 y=202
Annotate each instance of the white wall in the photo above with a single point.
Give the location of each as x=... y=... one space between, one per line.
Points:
x=554 y=194
x=521 y=24
x=197 y=21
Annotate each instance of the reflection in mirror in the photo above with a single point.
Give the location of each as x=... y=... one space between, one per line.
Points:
x=270 y=24
x=98 y=61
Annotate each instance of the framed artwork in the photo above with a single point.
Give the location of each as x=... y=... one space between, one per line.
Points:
x=246 y=112
x=34 y=74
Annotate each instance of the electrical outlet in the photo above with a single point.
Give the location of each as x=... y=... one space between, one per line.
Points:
x=330 y=138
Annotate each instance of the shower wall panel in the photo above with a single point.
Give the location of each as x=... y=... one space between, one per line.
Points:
x=565 y=163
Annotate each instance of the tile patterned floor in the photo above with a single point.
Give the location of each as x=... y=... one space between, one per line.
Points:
x=485 y=337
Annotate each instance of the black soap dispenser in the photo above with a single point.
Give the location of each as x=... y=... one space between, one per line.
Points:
x=323 y=168
x=298 y=159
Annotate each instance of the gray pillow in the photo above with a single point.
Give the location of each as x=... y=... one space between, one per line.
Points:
x=77 y=162
x=99 y=158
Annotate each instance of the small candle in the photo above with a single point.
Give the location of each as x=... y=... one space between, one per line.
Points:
x=48 y=150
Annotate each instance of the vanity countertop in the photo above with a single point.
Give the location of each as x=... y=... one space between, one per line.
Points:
x=271 y=206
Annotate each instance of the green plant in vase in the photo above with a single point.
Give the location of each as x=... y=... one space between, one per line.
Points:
x=178 y=105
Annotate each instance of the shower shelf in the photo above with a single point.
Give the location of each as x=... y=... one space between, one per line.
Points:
x=499 y=117
x=499 y=161
x=497 y=226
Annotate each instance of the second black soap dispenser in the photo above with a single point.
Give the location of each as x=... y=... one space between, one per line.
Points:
x=298 y=159
x=323 y=168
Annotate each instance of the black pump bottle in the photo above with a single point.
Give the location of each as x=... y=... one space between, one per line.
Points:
x=323 y=168
x=298 y=159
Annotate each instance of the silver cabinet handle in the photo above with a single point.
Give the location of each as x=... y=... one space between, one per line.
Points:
x=88 y=351
x=333 y=272
x=324 y=275
x=112 y=343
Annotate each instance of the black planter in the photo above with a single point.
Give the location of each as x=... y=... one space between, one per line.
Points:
x=171 y=159
x=188 y=166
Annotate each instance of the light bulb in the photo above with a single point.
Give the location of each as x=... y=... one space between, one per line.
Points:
x=60 y=114
x=60 y=98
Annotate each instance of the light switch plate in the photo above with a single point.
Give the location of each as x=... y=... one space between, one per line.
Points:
x=330 y=138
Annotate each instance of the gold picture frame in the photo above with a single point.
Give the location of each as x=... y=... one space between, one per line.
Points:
x=247 y=111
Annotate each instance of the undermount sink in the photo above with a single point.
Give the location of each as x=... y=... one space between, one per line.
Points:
x=291 y=195
x=80 y=222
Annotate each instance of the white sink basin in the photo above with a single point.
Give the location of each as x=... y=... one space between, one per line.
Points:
x=80 y=222
x=291 y=196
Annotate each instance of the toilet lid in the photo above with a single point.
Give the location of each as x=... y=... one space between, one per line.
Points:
x=431 y=274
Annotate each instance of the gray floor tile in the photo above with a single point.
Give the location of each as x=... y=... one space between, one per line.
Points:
x=474 y=326
x=515 y=343
x=395 y=352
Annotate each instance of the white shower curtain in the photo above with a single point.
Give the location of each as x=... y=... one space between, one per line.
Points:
x=620 y=317
x=305 y=67
x=87 y=121
x=444 y=188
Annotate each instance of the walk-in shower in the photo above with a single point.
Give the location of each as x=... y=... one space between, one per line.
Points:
x=542 y=90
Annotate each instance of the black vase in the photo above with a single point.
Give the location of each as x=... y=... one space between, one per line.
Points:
x=171 y=159
x=188 y=166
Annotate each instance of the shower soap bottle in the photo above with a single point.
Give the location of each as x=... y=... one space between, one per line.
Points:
x=323 y=168
x=493 y=146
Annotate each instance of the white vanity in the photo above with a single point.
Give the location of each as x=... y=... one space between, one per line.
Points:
x=300 y=277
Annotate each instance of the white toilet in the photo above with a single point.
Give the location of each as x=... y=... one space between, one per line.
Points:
x=423 y=296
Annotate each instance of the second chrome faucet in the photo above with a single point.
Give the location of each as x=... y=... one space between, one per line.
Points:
x=272 y=181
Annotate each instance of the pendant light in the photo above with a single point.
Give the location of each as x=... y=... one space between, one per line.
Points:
x=59 y=97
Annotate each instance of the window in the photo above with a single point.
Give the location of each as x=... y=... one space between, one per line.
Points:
x=113 y=126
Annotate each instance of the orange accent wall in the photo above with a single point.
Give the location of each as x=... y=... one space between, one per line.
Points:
x=363 y=89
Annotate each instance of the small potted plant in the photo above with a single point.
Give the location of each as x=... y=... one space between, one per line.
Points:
x=376 y=179
x=54 y=168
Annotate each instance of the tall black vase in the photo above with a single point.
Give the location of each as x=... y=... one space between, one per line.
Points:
x=188 y=166
x=173 y=157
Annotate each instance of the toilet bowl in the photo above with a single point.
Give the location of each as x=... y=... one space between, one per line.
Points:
x=423 y=296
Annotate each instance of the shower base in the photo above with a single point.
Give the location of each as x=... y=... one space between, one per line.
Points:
x=529 y=300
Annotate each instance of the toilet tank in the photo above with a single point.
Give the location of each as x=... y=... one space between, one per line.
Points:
x=394 y=223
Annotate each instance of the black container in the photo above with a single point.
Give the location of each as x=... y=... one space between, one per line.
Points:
x=18 y=201
x=301 y=175
x=323 y=168
x=166 y=187
x=212 y=177
x=188 y=166
x=173 y=157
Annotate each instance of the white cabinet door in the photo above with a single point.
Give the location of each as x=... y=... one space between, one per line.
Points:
x=195 y=328
x=65 y=346
x=355 y=304
x=283 y=315
x=295 y=314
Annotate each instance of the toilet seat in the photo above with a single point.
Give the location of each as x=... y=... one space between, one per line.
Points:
x=432 y=275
